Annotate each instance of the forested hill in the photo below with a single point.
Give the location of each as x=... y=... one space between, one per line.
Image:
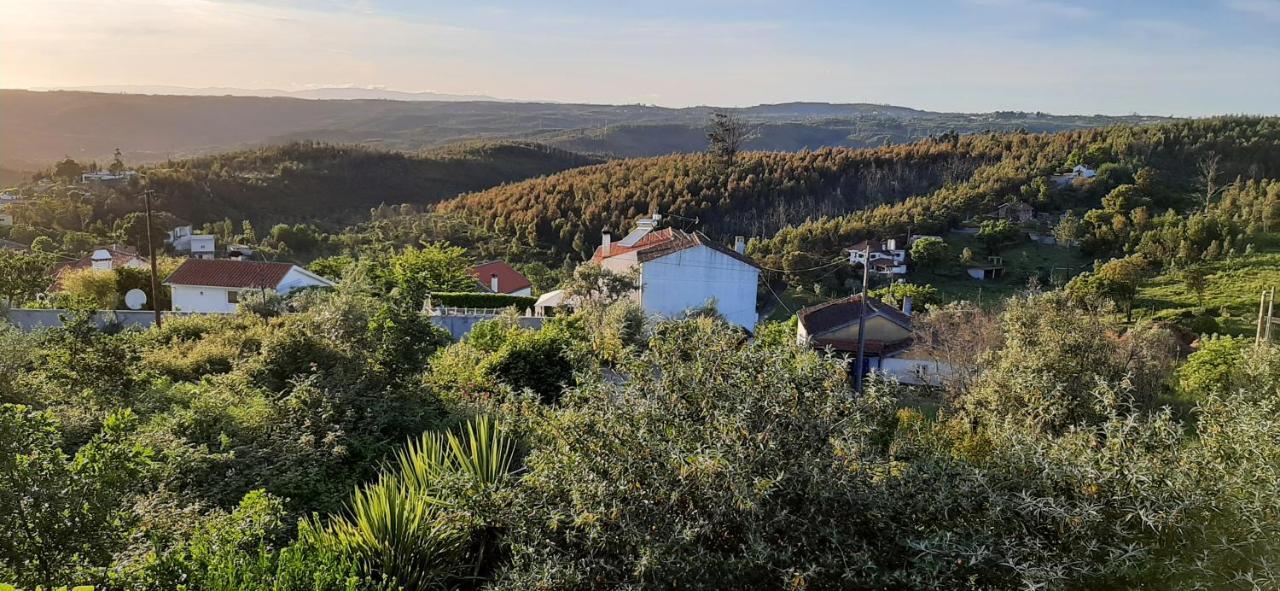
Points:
x=818 y=202
x=41 y=127
x=309 y=181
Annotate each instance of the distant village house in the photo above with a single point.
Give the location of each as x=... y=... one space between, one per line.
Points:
x=499 y=277
x=887 y=257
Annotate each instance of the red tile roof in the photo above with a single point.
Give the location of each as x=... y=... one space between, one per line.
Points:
x=509 y=279
x=660 y=243
x=226 y=273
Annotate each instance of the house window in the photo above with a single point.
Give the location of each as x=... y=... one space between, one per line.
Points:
x=233 y=297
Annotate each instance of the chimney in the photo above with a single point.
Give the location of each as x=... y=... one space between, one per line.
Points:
x=740 y=244
x=493 y=282
x=606 y=239
x=906 y=305
x=101 y=260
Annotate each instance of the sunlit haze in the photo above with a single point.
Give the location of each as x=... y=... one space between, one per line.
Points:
x=1188 y=58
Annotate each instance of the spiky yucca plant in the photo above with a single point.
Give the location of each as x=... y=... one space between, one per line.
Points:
x=400 y=526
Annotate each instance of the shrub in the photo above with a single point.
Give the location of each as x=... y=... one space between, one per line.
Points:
x=482 y=300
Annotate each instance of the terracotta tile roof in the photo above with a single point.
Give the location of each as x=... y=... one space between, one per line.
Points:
x=844 y=311
x=226 y=273
x=509 y=279
x=660 y=243
x=878 y=245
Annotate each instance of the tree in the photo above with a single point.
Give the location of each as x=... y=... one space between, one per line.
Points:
x=23 y=275
x=595 y=283
x=1207 y=166
x=68 y=170
x=929 y=252
x=1068 y=230
x=117 y=163
x=90 y=287
x=998 y=233
x=1116 y=280
x=1124 y=198
x=923 y=296
x=436 y=266
x=725 y=136
x=1193 y=277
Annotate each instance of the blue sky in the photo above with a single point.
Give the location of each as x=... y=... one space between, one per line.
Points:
x=1064 y=56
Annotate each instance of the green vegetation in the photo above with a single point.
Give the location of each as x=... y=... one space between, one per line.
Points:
x=292 y=453
x=1230 y=297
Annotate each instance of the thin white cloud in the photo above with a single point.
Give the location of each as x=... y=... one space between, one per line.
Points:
x=1042 y=8
x=1267 y=9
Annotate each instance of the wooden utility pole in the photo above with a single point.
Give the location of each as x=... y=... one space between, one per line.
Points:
x=151 y=254
x=862 y=321
x=1271 y=304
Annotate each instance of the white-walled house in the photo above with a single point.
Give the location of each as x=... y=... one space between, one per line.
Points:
x=101 y=259
x=886 y=256
x=214 y=286
x=6 y=219
x=679 y=271
x=183 y=239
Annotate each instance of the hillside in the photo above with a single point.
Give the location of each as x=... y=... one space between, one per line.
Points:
x=301 y=182
x=331 y=183
x=761 y=193
x=41 y=127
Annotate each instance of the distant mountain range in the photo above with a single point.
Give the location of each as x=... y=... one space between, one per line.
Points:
x=335 y=93
x=37 y=128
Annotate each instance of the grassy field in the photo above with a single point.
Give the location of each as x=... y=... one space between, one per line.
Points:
x=1231 y=291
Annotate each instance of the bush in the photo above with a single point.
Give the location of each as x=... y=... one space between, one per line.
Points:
x=482 y=300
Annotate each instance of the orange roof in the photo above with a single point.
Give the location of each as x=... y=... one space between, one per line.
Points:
x=121 y=256
x=660 y=243
x=226 y=273
x=509 y=279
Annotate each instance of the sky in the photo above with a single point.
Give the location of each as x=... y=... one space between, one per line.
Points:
x=1171 y=57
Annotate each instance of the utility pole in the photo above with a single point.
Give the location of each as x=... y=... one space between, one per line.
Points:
x=862 y=321
x=151 y=254
x=1271 y=304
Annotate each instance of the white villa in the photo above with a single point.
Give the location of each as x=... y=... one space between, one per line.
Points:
x=214 y=286
x=679 y=271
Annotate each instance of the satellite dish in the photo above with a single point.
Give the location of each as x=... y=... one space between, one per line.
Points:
x=135 y=298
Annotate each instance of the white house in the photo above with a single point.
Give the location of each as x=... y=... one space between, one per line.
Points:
x=499 y=277
x=202 y=246
x=888 y=256
x=183 y=239
x=214 y=286
x=102 y=259
x=104 y=177
x=679 y=271
x=6 y=219
x=1079 y=172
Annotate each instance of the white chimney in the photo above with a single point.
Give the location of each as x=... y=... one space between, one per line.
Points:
x=740 y=244
x=906 y=305
x=101 y=260
x=606 y=239
x=493 y=282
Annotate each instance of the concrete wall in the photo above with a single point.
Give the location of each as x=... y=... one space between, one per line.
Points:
x=689 y=278
x=34 y=319
x=459 y=326
x=205 y=300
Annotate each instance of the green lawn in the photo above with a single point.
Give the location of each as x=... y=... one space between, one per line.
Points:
x=1231 y=286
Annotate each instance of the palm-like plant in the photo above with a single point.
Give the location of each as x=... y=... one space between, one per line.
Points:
x=399 y=526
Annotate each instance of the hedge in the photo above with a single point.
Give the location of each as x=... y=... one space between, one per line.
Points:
x=481 y=300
